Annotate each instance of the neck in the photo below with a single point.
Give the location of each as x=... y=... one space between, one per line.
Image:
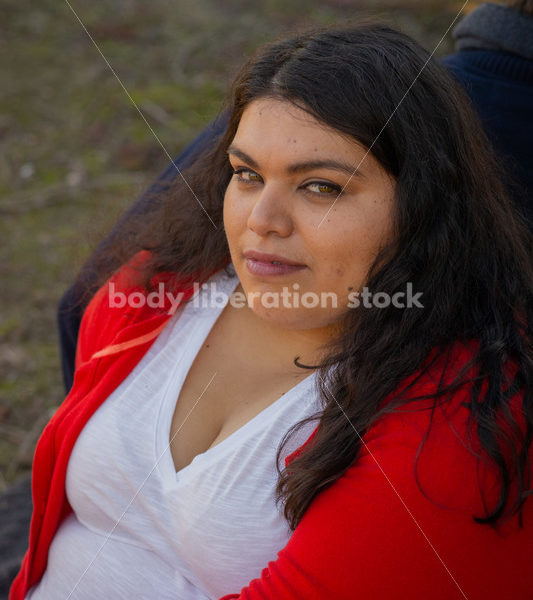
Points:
x=281 y=345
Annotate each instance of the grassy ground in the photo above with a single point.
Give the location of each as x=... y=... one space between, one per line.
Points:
x=74 y=152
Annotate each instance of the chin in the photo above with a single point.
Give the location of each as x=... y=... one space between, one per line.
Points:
x=295 y=319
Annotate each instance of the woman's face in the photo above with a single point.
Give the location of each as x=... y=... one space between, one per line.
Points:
x=289 y=171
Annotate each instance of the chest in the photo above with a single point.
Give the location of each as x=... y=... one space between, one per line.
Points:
x=227 y=385
x=216 y=401
x=199 y=520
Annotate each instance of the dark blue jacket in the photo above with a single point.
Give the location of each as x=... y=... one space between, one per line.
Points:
x=500 y=86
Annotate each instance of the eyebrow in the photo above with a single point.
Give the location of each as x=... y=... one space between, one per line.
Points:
x=302 y=166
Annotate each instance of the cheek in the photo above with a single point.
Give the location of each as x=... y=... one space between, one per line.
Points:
x=334 y=261
x=347 y=253
x=232 y=215
x=226 y=211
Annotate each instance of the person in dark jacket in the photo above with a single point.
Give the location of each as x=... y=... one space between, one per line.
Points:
x=493 y=62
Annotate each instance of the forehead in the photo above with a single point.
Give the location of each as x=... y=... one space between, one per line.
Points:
x=278 y=129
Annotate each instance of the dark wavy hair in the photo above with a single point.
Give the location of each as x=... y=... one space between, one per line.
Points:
x=459 y=239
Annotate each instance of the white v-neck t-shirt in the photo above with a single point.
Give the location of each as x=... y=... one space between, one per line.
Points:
x=139 y=529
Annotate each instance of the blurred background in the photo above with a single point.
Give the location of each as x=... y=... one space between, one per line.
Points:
x=74 y=152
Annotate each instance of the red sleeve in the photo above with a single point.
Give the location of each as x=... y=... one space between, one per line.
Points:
x=101 y=321
x=109 y=315
x=374 y=535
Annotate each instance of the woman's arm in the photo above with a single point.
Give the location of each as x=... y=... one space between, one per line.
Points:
x=374 y=535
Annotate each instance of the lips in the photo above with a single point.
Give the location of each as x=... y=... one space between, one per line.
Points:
x=271 y=258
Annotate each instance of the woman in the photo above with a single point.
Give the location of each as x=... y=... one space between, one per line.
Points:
x=369 y=437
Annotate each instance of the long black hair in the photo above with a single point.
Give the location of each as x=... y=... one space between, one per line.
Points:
x=459 y=240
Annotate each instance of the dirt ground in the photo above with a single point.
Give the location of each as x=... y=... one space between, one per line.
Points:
x=74 y=152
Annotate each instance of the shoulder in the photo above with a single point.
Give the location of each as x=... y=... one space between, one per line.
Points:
x=425 y=454
x=430 y=442
x=404 y=512
x=491 y=68
x=123 y=307
x=102 y=315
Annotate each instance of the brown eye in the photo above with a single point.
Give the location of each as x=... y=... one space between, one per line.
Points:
x=247 y=175
x=321 y=187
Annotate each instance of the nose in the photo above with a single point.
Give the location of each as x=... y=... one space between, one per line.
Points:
x=271 y=212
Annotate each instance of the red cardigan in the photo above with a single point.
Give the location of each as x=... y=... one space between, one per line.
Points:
x=372 y=534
